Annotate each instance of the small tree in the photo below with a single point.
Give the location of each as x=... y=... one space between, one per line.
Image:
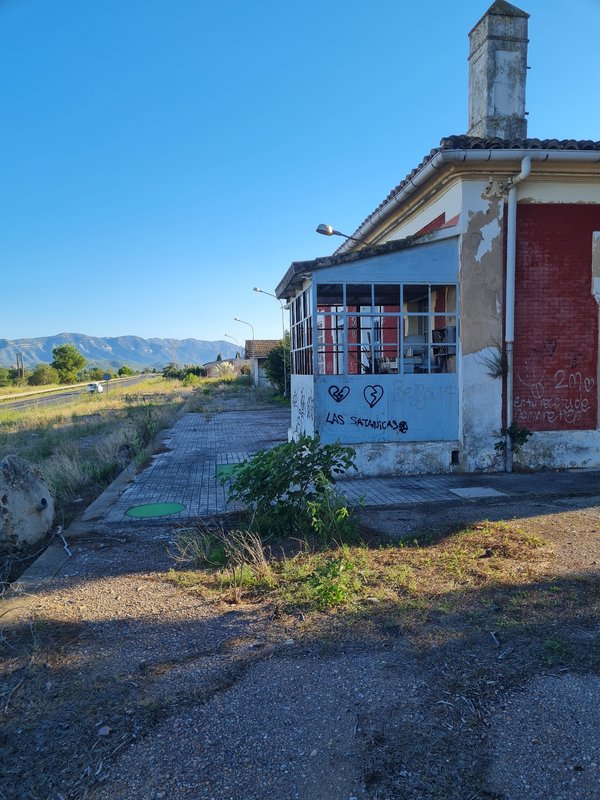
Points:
x=125 y=371
x=172 y=371
x=43 y=375
x=277 y=366
x=68 y=361
x=95 y=374
x=4 y=377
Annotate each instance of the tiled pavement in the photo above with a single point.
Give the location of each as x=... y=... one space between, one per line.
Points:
x=186 y=472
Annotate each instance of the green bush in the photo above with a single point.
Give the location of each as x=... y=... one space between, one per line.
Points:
x=279 y=484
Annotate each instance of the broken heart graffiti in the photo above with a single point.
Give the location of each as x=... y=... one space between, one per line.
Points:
x=373 y=394
x=339 y=393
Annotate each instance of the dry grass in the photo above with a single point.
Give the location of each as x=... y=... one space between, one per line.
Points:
x=408 y=574
x=82 y=445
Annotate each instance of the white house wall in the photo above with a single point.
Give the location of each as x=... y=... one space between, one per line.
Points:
x=449 y=203
x=547 y=191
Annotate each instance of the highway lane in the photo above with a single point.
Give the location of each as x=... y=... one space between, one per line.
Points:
x=69 y=395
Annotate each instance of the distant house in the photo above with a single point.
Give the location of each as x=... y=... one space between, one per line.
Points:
x=257 y=350
x=467 y=302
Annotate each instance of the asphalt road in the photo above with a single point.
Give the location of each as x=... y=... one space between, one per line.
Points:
x=68 y=395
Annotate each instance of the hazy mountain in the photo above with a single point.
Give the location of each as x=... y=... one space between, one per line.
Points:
x=116 y=351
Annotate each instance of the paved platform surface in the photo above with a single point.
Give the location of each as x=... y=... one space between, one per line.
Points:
x=187 y=472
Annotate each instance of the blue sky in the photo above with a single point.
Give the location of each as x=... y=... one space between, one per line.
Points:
x=162 y=157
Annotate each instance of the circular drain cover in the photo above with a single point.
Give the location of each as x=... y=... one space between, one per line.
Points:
x=155 y=510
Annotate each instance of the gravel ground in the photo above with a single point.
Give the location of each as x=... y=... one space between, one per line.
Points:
x=546 y=740
x=121 y=686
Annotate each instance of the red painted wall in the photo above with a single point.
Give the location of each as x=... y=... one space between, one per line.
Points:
x=556 y=318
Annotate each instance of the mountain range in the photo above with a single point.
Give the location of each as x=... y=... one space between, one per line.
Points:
x=116 y=351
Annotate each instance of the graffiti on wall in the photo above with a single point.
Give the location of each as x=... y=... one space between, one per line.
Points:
x=372 y=394
x=420 y=396
x=558 y=397
x=303 y=411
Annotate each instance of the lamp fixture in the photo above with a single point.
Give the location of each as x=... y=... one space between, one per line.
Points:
x=327 y=230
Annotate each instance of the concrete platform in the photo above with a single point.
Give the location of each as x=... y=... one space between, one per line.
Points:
x=200 y=447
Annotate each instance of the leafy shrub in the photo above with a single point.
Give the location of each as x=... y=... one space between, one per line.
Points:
x=277 y=366
x=333 y=582
x=278 y=484
x=331 y=519
x=518 y=437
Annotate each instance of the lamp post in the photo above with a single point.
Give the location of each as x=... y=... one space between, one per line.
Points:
x=327 y=230
x=251 y=328
x=262 y=291
x=237 y=344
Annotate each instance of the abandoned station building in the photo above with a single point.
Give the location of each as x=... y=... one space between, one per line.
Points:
x=466 y=304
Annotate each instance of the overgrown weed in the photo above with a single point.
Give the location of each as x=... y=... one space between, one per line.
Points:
x=348 y=577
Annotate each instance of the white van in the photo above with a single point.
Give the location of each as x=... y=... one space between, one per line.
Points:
x=93 y=388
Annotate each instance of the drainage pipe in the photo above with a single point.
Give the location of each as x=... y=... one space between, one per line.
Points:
x=509 y=308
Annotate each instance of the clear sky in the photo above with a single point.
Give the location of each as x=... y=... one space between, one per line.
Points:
x=159 y=158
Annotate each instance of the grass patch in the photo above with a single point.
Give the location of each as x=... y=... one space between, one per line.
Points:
x=81 y=446
x=406 y=575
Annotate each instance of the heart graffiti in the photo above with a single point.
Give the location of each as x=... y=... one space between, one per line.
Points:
x=339 y=393
x=373 y=394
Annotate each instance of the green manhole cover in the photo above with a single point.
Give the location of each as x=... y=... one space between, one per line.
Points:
x=155 y=510
x=223 y=470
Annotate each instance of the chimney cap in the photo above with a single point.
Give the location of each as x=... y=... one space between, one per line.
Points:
x=502 y=8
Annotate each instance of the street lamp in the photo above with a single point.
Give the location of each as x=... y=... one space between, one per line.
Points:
x=327 y=230
x=251 y=328
x=235 y=340
x=281 y=303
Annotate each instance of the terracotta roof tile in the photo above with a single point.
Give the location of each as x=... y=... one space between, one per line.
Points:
x=259 y=348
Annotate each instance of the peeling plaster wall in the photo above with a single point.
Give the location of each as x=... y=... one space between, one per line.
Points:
x=539 y=191
x=407 y=458
x=561 y=450
x=481 y=313
x=482 y=411
x=481 y=269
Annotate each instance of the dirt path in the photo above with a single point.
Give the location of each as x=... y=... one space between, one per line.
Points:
x=119 y=685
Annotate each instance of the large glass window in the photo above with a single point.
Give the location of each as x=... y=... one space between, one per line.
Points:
x=376 y=328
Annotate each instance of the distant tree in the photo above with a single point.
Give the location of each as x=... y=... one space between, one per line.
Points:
x=219 y=357
x=194 y=369
x=172 y=371
x=124 y=371
x=43 y=375
x=94 y=374
x=68 y=361
x=277 y=366
x=15 y=377
x=4 y=377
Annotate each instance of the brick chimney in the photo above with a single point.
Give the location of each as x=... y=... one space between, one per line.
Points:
x=497 y=73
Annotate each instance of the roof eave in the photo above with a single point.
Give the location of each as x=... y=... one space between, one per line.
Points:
x=443 y=158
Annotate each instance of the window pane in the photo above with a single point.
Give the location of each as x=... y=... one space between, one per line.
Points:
x=387 y=296
x=416 y=299
x=443 y=299
x=329 y=294
x=360 y=360
x=330 y=360
x=358 y=295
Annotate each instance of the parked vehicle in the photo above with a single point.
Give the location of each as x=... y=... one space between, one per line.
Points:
x=93 y=388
